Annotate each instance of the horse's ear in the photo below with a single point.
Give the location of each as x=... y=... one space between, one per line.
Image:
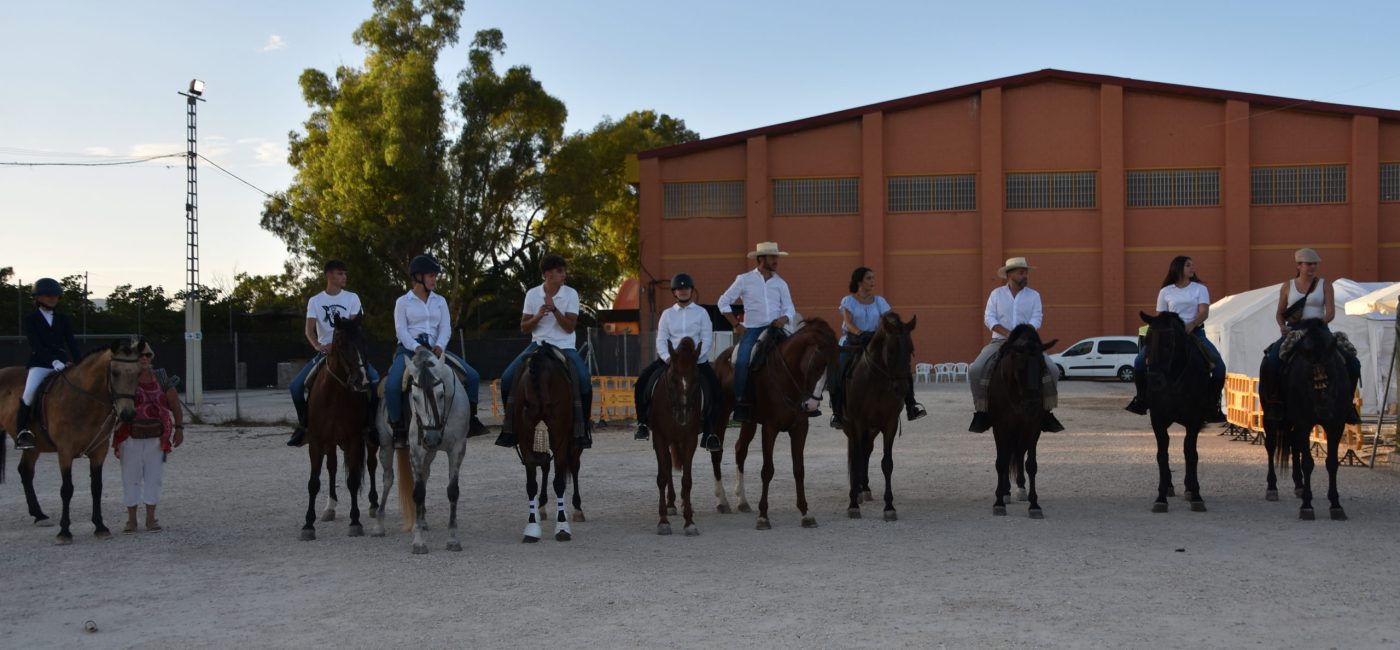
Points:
x=1145 y=318
x=912 y=322
x=1046 y=347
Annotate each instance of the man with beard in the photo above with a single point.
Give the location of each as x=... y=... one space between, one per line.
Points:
x=1008 y=306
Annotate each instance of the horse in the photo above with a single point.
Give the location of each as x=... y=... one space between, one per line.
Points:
x=338 y=408
x=879 y=378
x=1015 y=398
x=676 y=419
x=76 y=416
x=782 y=386
x=543 y=394
x=1316 y=392
x=1178 y=390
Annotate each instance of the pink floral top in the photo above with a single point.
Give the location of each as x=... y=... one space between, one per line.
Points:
x=150 y=405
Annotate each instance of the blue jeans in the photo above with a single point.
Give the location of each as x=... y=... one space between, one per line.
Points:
x=393 y=389
x=1218 y=375
x=298 y=386
x=741 y=361
x=585 y=379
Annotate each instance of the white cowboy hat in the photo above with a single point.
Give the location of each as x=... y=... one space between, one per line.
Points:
x=1013 y=263
x=766 y=248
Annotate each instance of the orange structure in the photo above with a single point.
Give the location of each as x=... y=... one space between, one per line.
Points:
x=1098 y=180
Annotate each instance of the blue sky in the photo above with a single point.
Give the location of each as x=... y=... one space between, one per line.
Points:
x=99 y=78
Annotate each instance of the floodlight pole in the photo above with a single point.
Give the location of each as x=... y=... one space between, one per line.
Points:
x=194 y=368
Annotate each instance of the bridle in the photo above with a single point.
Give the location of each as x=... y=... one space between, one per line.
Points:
x=803 y=394
x=680 y=406
x=871 y=356
x=104 y=430
x=426 y=382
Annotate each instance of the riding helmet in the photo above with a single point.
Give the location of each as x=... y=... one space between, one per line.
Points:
x=48 y=287
x=682 y=281
x=424 y=264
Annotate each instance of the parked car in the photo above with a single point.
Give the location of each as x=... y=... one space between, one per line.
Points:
x=1101 y=356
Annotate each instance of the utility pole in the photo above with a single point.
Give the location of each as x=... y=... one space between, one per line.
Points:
x=85 y=303
x=194 y=337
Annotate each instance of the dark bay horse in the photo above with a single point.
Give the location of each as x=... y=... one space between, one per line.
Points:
x=1316 y=392
x=1015 y=399
x=1178 y=390
x=80 y=409
x=880 y=377
x=338 y=409
x=543 y=396
x=781 y=386
x=676 y=419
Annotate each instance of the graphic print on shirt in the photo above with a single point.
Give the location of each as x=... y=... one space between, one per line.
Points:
x=334 y=311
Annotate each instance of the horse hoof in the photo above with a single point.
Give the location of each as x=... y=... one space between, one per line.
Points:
x=454 y=546
x=891 y=516
x=562 y=536
x=420 y=549
x=357 y=530
x=1198 y=506
x=1338 y=514
x=1271 y=495
x=1171 y=491
x=866 y=496
x=744 y=507
x=1037 y=513
x=1188 y=495
x=1298 y=492
x=999 y=511
x=102 y=534
x=578 y=516
x=62 y=540
x=663 y=529
x=43 y=522
x=529 y=540
x=692 y=531
x=809 y=521
x=1306 y=514
x=671 y=510
x=1021 y=494
x=853 y=513
x=724 y=509
x=373 y=511
x=376 y=532
x=1159 y=507
x=763 y=524
x=328 y=515
x=307 y=534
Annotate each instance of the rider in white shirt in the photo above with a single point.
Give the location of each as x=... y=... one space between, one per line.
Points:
x=767 y=302
x=683 y=320
x=322 y=310
x=1008 y=306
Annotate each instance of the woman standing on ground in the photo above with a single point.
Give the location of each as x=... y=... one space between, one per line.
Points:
x=142 y=444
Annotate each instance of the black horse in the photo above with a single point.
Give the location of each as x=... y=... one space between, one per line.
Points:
x=1015 y=397
x=1180 y=391
x=1316 y=391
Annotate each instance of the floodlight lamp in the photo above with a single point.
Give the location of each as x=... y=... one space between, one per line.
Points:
x=196 y=87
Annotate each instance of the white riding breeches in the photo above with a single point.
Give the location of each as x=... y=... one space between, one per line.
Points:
x=31 y=383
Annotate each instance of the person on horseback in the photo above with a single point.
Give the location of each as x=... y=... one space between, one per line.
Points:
x=1300 y=299
x=422 y=320
x=860 y=315
x=683 y=320
x=551 y=316
x=1186 y=294
x=51 y=348
x=322 y=310
x=1008 y=306
x=767 y=303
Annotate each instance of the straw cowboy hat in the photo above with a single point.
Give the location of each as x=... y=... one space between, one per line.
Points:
x=1307 y=255
x=766 y=248
x=1014 y=263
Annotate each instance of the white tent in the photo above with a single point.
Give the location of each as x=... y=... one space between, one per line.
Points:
x=1242 y=325
x=1377 y=309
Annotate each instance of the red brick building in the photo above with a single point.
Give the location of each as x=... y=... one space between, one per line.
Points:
x=1098 y=180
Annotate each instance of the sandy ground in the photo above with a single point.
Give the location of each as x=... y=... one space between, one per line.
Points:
x=1099 y=571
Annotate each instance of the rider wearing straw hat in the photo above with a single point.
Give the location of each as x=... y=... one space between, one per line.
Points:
x=1008 y=306
x=767 y=302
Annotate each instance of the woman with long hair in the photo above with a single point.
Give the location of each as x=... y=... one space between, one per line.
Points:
x=1186 y=294
x=860 y=313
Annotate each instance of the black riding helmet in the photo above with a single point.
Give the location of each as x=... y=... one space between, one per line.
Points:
x=422 y=265
x=682 y=281
x=48 y=287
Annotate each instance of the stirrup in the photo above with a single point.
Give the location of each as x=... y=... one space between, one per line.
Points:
x=711 y=442
x=642 y=433
x=24 y=439
x=914 y=411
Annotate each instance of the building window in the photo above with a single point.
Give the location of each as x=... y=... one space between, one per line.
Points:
x=1173 y=188
x=1298 y=185
x=1058 y=190
x=1390 y=181
x=932 y=193
x=816 y=196
x=707 y=199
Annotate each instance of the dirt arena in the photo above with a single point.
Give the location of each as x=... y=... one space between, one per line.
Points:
x=1099 y=571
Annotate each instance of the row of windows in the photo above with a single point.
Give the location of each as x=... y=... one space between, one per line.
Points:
x=1299 y=185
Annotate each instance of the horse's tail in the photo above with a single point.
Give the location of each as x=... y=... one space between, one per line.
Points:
x=676 y=457
x=1283 y=444
x=405 y=471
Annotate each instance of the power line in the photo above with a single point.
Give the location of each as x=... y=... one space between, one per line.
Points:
x=106 y=163
x=236 y=176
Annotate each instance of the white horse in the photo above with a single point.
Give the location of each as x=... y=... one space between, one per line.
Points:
x=441 y=412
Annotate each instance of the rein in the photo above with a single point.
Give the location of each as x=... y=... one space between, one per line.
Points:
x=439 y=421
x=104 y=431
x=796 y=404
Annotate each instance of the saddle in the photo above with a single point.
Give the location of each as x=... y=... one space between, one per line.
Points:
x=574 y=386
x=767 y=343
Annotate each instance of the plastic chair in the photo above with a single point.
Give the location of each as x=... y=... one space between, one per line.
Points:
x=942 y=371
x=923 y=372
x=960 y=370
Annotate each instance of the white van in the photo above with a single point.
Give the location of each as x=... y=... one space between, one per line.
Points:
x=1101 y=356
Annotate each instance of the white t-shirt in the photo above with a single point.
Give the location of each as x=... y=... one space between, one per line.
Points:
x=325 y=308
x=1183 y=301
x=548 y=329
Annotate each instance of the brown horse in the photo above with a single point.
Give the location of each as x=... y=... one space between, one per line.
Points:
x=543 y=395
x=781 y=387
x=880 y=377
x=1015 y=398
x=79 y=409
x=339 y=409
x=676 y=420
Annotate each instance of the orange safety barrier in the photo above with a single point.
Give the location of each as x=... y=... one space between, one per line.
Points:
x=613 y=398
x=1244 y=410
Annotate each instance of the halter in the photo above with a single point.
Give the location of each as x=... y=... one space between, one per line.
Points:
x=873 y=361
x=439 y=419
x=796 y=404
x=105 y=430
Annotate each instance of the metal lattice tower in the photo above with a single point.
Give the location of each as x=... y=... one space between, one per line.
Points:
x=194 y=348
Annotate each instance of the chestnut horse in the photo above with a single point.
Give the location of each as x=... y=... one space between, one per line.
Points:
x=1015 y=397
x=782 y=386
x=676 y=419
x=543 y=395
x=880 y=377
x=80 y=407
x=338 y=409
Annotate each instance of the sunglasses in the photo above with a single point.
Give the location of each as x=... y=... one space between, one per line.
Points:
x=148 y=355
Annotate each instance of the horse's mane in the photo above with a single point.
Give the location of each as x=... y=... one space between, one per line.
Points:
x=1022 y=331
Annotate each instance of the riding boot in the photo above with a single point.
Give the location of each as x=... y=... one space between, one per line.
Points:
x=643 y=433
x=912 y=409
x=741 y=412
x=1051 y=424
x=299 y=434
x=981 y=421
x=1138 y=405
x=838 y=405
x=25 y=438
x=507 y=435
x=585 y=440
x=476 y=428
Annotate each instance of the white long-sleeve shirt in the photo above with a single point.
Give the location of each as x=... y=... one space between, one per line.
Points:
x=413 y=317
x=764 y=301
x=678 y=323
x=1009 y=311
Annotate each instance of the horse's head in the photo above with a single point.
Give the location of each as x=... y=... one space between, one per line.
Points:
x=123 y=373
x=1318 y=342
x=348 y=352
x=1024 y=353
x=893 y=343
x=682 y=379
x=1165 y=342
x=431 y=393
x=818 y=334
